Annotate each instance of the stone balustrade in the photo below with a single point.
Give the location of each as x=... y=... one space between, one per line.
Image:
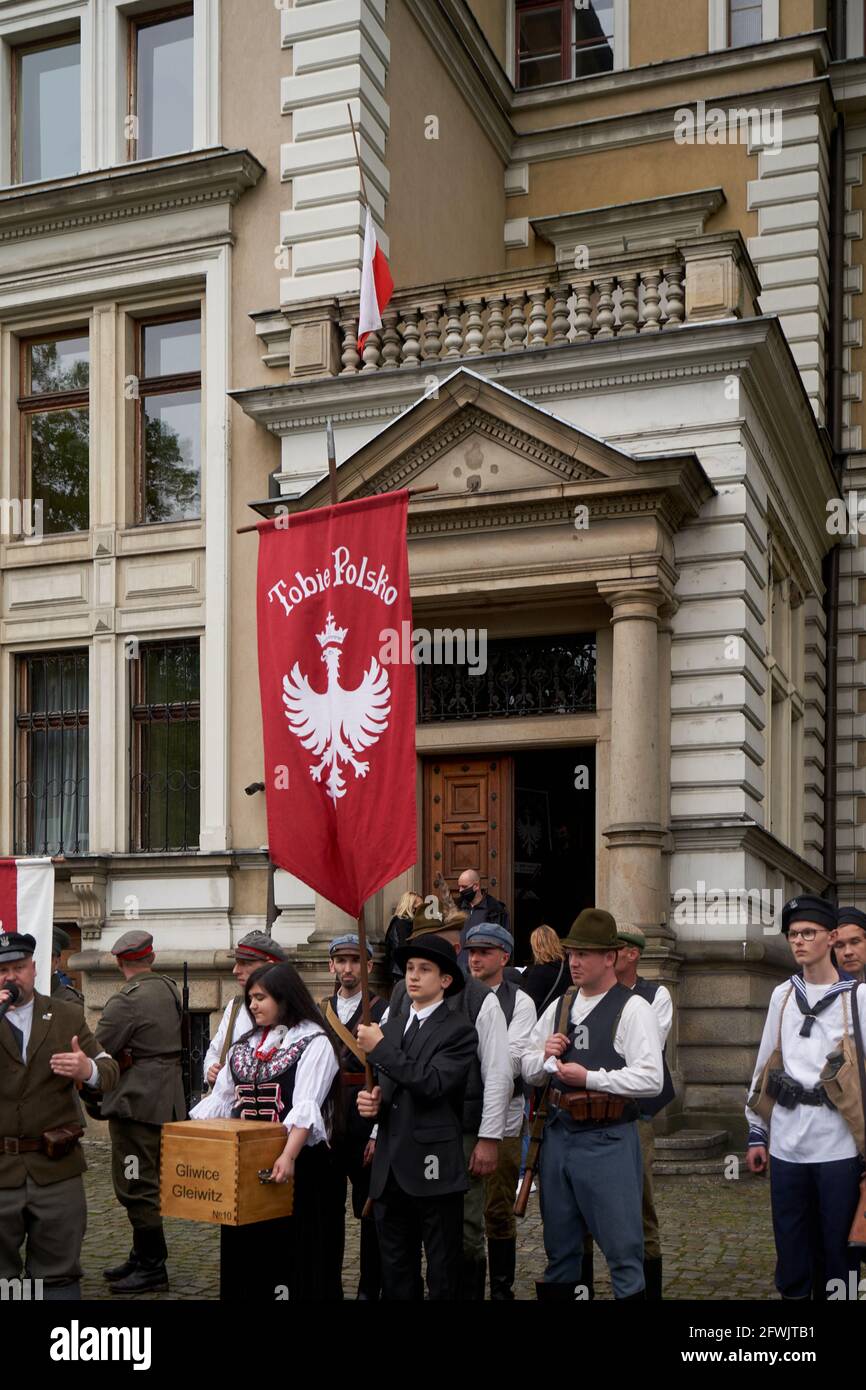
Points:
x=643 y=293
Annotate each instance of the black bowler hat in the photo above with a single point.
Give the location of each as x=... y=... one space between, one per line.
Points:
x=440 y=951
x=16 y=945
x=851 y=917
x=809 y=908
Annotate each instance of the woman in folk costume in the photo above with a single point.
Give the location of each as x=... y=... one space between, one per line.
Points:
x=286 y=1071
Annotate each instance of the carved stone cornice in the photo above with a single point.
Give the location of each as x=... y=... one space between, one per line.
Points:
x=128 y=191
x=89 y=890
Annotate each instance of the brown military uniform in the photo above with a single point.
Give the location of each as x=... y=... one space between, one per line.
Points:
x=144 y=1017
x=61 y=990
x=42 y=1198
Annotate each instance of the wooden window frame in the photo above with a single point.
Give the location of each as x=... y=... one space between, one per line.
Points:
x=156 y=386
x=520 y=8
x=18 y=52
x=136 y=24
x=141 y=714
x=43 y=403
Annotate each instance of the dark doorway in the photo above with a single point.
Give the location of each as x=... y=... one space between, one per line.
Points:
x=554 y=841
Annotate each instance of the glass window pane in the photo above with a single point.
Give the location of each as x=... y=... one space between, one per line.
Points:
x=62 y=365
x=746 y=23
x=172 y=456
x=49 y=112
x=540 y=31
x=598 y=58
x=165 y=88
x=60 y=468
x=172 y=348
x=593 y=22
x=536 y=71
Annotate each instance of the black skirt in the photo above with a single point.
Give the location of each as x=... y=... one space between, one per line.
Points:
x=294 y=1257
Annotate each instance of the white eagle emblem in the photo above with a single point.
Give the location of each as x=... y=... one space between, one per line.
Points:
x=338 y=722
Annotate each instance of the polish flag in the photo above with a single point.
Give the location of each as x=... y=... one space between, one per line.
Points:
x=376 y=284
x=27 y=905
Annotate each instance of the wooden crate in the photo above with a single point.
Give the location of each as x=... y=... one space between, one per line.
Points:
x=209 y=1171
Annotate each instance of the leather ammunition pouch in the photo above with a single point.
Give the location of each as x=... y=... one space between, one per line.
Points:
x=593 y=1106
x=58 y=1142
x=789 y=1093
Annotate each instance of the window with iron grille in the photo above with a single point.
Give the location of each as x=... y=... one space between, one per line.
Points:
x=745 y=22
x=524 y=676
x=51 y=753
x=166 y=753
x=168 y=420
x=54 y=411
x=560 y=39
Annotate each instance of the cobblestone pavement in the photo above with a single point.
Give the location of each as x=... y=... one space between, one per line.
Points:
x=716 y=1237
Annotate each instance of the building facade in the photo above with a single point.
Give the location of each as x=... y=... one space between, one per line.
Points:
x=625 y=344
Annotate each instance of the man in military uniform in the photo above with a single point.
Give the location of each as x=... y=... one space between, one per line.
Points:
x=61 y=985
x=253 y=950
x=342 y=1011
x=45 y=1048
x=141 y=1026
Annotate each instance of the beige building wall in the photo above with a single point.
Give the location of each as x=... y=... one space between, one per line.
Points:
x=660 y=31
x=799 y=16
x=492 y=19
x=446 y=209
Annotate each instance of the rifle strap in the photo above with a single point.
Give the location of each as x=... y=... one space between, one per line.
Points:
x=237 y=1005
x=562 y=1017
x=342 y=1032
x=858 y=1044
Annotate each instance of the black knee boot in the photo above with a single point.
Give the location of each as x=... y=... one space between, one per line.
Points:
x=652 y=1273
x=587 y=1272
x=149 y=1275
x=370 y=1282
x=554 y=1293
x=502 y=1258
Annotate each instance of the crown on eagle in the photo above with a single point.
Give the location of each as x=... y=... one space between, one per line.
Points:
x=332 y=635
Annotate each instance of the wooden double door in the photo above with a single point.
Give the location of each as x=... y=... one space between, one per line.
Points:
x=468 y=821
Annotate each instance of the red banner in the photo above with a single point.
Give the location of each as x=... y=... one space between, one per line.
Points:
x=338 y=720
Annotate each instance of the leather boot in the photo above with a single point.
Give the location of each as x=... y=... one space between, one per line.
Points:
x=652 y=1273
x=587 y=1271
x=502 y=1258
x=554 y=1293
x=149 y=1275
x=121 y=1271
x=370 y=1282
x=472 y=1276
x=62 y=1293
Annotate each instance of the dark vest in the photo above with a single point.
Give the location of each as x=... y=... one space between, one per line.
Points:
x=507 y=997
x=468 y=1002
x=647 y=989
x=600 y=1025
x=264 y=1089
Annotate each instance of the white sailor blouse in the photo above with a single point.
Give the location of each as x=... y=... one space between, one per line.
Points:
x=812 y=1024
x=282 y=1075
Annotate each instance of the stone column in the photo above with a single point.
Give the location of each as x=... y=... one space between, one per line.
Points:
x=634 y=832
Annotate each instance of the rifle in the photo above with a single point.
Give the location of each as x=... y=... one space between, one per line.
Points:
x=186 y=1039
x=533 y=1154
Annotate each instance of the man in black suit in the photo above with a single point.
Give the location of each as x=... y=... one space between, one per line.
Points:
x=419 y=1171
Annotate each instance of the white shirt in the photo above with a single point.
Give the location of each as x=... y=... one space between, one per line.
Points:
x=346 y=1007
x=496 y=1074
x=422 y=1015
x=523 y=1020
x=243 y=1024
x=808 y=1133
x=316 y=1068
x=22 y=1017
x=663 y=1008
x=636 y=1040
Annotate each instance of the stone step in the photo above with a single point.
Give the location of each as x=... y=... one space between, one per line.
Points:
x=687 y=1167
x=683 y=1142
x=688 y=1151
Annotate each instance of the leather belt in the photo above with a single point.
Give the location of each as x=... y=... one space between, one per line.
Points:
x=353 y=1078
x=13 y=1145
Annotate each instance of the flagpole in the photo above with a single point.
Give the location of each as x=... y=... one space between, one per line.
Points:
x=365 y=200
x=332 y=460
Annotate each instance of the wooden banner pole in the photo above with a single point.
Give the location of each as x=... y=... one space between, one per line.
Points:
x=364 y=197
x=332 y=460
x=365 y=989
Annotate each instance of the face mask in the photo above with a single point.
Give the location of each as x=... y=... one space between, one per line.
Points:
x=466 y=896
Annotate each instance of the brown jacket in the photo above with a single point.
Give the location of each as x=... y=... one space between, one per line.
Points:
x=33 y=1098
x=144 y=1016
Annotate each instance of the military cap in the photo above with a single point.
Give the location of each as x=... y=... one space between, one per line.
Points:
x=258 y=946
x=489 y=934
x=133 y=946
x=592 y=930
x=851 y=917
x=61 y=941
x=350 y=941
x=630 y=936
x=809 y=908
x=440 y=951
x=16 y=945
x=422 y=925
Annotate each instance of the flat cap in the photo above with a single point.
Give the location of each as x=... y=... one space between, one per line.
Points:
x=850 y=917
x=133 y=945
x=489 y=934
x=16 y=945
x=631 y=936
x=592 y=930
x=809 y=908
x=348 y=942
x=258 y=946
x=61 y=941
